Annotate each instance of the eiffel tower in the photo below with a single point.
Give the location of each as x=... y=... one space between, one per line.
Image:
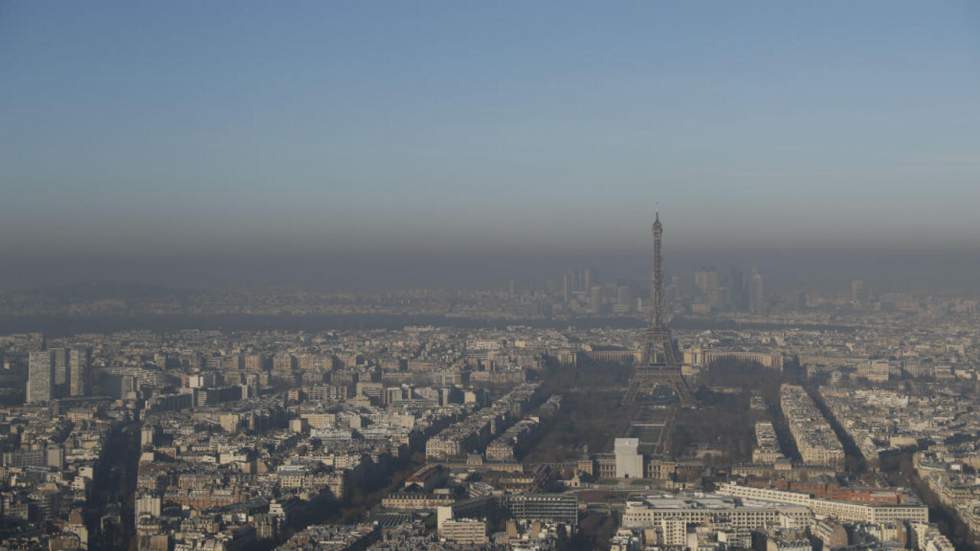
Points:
x=660 y=363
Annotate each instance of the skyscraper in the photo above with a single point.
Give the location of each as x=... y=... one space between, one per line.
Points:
x=60 y=358
x=736 y=290
x=78 y=369
x=757 y=297
x=857 y=291
x=40 y=376
x=624 y=298
x=595 y=299
x=708 y=283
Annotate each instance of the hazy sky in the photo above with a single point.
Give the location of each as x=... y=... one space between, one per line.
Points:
x=239 y=128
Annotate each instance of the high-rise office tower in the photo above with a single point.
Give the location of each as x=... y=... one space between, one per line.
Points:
x=736 y=290
x=595 y=299
x=857 y=291
x=757 y=297
x=588 y=280
x=624 y=297
x=706 y=280
x=566 y=287
x=60 y=358
x=708 y=283
x=40 y=377
x=802 y=300
x=79 y=360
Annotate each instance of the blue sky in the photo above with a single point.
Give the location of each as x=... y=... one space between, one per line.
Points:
x=242 y=127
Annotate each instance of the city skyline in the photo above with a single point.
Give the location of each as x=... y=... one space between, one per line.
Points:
x=464 y=276
x=818 y=269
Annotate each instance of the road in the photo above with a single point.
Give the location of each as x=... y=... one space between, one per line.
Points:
x=110 y=519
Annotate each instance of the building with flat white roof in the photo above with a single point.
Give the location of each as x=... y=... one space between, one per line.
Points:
x=840 y=510
x=709 y=509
